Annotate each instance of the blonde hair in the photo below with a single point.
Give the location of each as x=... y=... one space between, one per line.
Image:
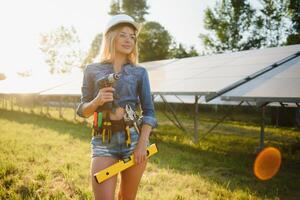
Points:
x=108 y=52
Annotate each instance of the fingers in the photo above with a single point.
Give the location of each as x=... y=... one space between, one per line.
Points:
x=106 y=95
x=139 y=158
x=108 y=89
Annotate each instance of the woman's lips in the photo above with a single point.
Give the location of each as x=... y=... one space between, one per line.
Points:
x=126 y=46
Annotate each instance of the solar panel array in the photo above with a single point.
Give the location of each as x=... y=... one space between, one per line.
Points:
x=202 y=75
x=209 y=74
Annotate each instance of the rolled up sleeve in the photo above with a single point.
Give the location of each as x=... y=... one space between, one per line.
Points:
x=146 y=101
x=86 y=91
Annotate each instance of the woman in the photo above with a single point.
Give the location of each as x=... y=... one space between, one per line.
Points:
x=118 y=55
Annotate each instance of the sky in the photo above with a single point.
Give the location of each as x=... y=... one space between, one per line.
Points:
x=22 y=22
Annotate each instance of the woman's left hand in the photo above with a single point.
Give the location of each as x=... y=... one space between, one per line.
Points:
x=140 y=152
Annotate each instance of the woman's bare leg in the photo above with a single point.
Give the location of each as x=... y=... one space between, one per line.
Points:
x=106 y=189
x=130 y=179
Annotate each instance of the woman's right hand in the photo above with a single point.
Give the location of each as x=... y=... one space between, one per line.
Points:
x=104 y=95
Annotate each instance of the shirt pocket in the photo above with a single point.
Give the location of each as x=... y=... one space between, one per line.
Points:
x=128 y=85
x=131 y=79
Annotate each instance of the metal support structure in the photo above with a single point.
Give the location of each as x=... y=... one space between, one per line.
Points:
x=262 y=128
x=41 y=104
x=298 y=115
x=48 y=114
x=11 y=103
x=75 y=107
x=229 y=112
x=19 y=103
x=31 y=105
x=60 y=107
x=196 y=119
x=6 y=104
x=177 y=121
x=153 y=97
x=277 y=116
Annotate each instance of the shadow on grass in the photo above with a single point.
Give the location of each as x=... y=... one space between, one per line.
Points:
x=62 y=126
x=230 y=169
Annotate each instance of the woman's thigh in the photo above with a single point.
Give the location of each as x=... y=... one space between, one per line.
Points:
x=130 y=179
x=106 y=189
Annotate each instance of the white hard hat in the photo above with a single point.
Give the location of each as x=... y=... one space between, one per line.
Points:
x=120 y=19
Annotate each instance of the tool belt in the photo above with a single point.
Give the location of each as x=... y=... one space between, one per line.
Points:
x=104 y=127
x=119 y=125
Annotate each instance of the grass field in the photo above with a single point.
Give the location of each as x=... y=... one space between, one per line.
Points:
x=44 y=157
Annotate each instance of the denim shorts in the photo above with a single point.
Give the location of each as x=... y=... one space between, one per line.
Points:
x=117 y=147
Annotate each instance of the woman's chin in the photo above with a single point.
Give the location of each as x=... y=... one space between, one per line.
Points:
x=126 y=51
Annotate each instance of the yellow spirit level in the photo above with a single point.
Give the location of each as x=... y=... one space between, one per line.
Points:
x=121 y=165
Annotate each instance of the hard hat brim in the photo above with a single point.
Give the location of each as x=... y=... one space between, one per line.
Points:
x=111 y=26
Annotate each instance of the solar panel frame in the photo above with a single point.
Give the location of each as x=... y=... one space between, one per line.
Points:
x=281 y=84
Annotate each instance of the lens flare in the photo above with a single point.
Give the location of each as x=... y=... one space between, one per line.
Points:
x=267 y=163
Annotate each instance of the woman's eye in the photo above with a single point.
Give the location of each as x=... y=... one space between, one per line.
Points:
x=125 y=35
x=122 y=35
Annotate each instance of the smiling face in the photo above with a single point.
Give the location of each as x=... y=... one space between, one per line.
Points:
x=125 y=40
x=119 y=41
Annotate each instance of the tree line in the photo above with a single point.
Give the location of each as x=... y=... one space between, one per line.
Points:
x=236 y=25
x=232 y=25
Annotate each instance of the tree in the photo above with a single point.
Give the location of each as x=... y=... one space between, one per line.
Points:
x=115 y=7
x=232 y=25
x=274 y=22
x=294 y=12
x=134 y=8
x=93 y=51
x=154 y=42
x=61 y=49
x=178 y=51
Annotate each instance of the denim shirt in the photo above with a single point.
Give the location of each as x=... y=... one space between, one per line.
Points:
x=132 y=88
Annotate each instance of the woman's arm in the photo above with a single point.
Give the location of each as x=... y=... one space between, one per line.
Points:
x=145 y=133
x=149 y=120
x=147 y=105
x=104 y=95
x=88 y=105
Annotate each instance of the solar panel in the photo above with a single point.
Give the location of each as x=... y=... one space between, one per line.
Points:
x=72 y=88
x=210 y=74
x=190 y=86
x=30 y=85
x=154 y=64
x=281 y=84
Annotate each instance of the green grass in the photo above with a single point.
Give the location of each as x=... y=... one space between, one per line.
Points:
x=45 y=157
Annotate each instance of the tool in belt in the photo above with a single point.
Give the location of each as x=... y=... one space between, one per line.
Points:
x=104 y=127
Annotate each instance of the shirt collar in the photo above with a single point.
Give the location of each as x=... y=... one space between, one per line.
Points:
x=125 y=68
